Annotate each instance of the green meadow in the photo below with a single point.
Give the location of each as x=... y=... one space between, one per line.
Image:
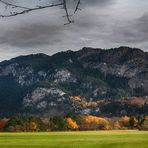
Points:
x=87 y=139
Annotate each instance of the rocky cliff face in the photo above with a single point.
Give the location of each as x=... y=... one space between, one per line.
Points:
x=72 y=82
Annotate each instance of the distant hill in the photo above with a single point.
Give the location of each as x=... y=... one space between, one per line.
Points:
x=75 y=82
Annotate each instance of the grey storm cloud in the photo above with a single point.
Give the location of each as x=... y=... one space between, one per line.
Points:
x=36 y=34
x=101 y=23
x=134 y=31
x=32 y=35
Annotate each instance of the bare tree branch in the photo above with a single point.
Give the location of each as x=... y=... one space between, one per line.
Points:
x=67 y=14
x=31 y=9
x=26 y=9
x=14 y=6
x=77 y=6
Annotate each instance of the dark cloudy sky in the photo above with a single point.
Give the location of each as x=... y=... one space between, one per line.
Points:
x=101 y=23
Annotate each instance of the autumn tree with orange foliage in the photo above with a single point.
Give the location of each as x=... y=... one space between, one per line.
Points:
x=125 y=121
x=93 y=123
x=71 y=124
x=33 y=126
x=117 y=125
x=3 y=124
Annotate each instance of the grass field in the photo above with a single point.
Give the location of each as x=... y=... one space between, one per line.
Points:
x=90 y=139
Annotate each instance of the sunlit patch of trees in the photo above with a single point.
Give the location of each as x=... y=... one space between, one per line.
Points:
x=71 y=124
x=17 y=123
x=78 y=100
x=93 y=123
x=75 y=122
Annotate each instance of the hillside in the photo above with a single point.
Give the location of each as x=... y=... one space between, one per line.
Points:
x=88 y=81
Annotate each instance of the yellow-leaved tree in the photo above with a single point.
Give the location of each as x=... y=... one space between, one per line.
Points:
x=92 y=123
x=33 y=126
x=71 y=124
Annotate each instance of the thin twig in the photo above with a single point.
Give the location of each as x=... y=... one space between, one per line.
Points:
x=26 y=9
x=77 y=6
x=13 y=5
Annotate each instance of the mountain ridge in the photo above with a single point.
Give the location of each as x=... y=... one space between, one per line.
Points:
x=73 y=82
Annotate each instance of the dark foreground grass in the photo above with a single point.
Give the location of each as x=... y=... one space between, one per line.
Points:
x=90 y=139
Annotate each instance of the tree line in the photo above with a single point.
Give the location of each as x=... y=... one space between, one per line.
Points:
x=72 y=123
